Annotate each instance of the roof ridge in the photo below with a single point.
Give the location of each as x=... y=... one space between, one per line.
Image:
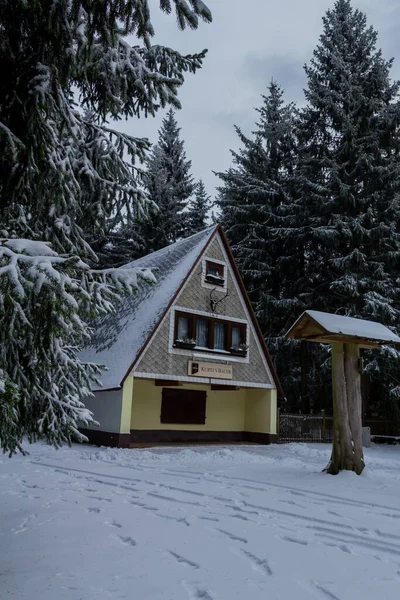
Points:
x=170 y=246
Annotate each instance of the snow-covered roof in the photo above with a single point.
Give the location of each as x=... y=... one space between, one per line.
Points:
x=118 y=338
x=342 y=327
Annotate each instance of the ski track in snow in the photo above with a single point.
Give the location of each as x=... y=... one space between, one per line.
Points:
x=335 y=532
x=216 y=524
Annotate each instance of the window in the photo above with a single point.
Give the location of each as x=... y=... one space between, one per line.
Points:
x=215 y=273
x=183 y=407
x=219 y=336
x=183 y=328
x=208 y=333
x=237 y=333
x=202 y=332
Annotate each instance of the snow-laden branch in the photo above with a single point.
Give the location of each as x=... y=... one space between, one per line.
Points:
x=45 y=301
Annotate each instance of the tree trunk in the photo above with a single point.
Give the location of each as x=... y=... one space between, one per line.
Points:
x=354 y=400
x=347 y=453
x=305 y=405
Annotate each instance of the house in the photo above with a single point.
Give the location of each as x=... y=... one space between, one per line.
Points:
x=186 y=359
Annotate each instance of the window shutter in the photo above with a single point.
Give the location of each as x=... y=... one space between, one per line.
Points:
x=183 y=407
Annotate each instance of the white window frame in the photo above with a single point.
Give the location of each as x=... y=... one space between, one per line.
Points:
x=211 y=286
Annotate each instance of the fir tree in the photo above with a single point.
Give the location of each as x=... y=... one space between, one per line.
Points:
x=347 y=217
x=169 y=185
x=196 y=217
x=256 y=205
x=63 y=174
x=45 y=302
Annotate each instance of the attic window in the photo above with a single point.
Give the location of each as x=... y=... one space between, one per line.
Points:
x=215 y=273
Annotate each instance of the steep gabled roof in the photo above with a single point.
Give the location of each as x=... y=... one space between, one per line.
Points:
x=118 y=338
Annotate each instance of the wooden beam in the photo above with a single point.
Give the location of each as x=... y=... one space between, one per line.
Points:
x=224 y=388
x=167 y=383
x=338 y=337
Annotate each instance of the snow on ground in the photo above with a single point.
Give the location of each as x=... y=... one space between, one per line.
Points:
x=211 y=523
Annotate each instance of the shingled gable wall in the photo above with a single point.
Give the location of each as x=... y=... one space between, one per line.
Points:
x=158 y=359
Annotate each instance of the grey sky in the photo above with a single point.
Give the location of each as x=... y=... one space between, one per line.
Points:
x=248 y=43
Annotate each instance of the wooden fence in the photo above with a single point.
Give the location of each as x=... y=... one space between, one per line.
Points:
x=318 y=428
x=305 y=428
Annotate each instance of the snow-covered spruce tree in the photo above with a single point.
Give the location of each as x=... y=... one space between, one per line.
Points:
x=199 y=206
x=349 y=209
x=63 y=173
x=256 y=210
x=109 y=226
x=45 y=301
x=169 y=185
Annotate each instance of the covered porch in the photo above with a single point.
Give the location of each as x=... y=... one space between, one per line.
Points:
x=162 y=411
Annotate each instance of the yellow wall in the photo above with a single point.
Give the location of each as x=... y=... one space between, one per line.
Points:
x=261 y=411
x=126 y=409
x=246 y=409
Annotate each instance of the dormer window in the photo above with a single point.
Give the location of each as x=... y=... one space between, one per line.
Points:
x=215 y=273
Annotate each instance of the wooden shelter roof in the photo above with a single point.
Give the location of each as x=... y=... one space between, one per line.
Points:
x=315 y=326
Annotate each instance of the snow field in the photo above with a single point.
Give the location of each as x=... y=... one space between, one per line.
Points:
x=212 y=523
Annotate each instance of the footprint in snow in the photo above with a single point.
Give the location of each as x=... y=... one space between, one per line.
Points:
x=183 y=560
x=127 y=540
x=113 y=524
x=294 y=540
x=258 y=564
x=197 y=591
x=232 y=536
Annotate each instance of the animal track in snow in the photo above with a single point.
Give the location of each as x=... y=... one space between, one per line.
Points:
x=114 y=524
x=183 y=560
x=177 y=519
x=258 y=564
x=232 y=536
x=325 y=592
x=24 y=523
x=100 y=499
x=341 y=547
x=287 y=538
x=127 y=540
x=197 y=591
x=143 y=505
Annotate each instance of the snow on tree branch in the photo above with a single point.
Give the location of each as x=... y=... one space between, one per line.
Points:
x=44 y=301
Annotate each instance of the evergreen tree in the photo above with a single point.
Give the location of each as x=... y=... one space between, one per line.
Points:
x=108 y=225
x=45 y=302
x=169 y=185
x=348 y=216
x=196 y=217
x=63 y=174
x=256 y=211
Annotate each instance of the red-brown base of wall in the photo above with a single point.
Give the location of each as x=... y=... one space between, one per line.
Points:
x=162 y=436
x=107 y=438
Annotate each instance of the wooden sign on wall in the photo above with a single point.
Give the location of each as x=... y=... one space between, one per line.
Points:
x=212 y=370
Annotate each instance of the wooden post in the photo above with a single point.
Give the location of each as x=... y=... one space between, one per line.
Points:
x=347 y=443
x=305 y=404
x=323 y=427
x=354 y=400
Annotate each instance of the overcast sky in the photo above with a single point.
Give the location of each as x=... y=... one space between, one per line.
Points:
x=249 y=42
